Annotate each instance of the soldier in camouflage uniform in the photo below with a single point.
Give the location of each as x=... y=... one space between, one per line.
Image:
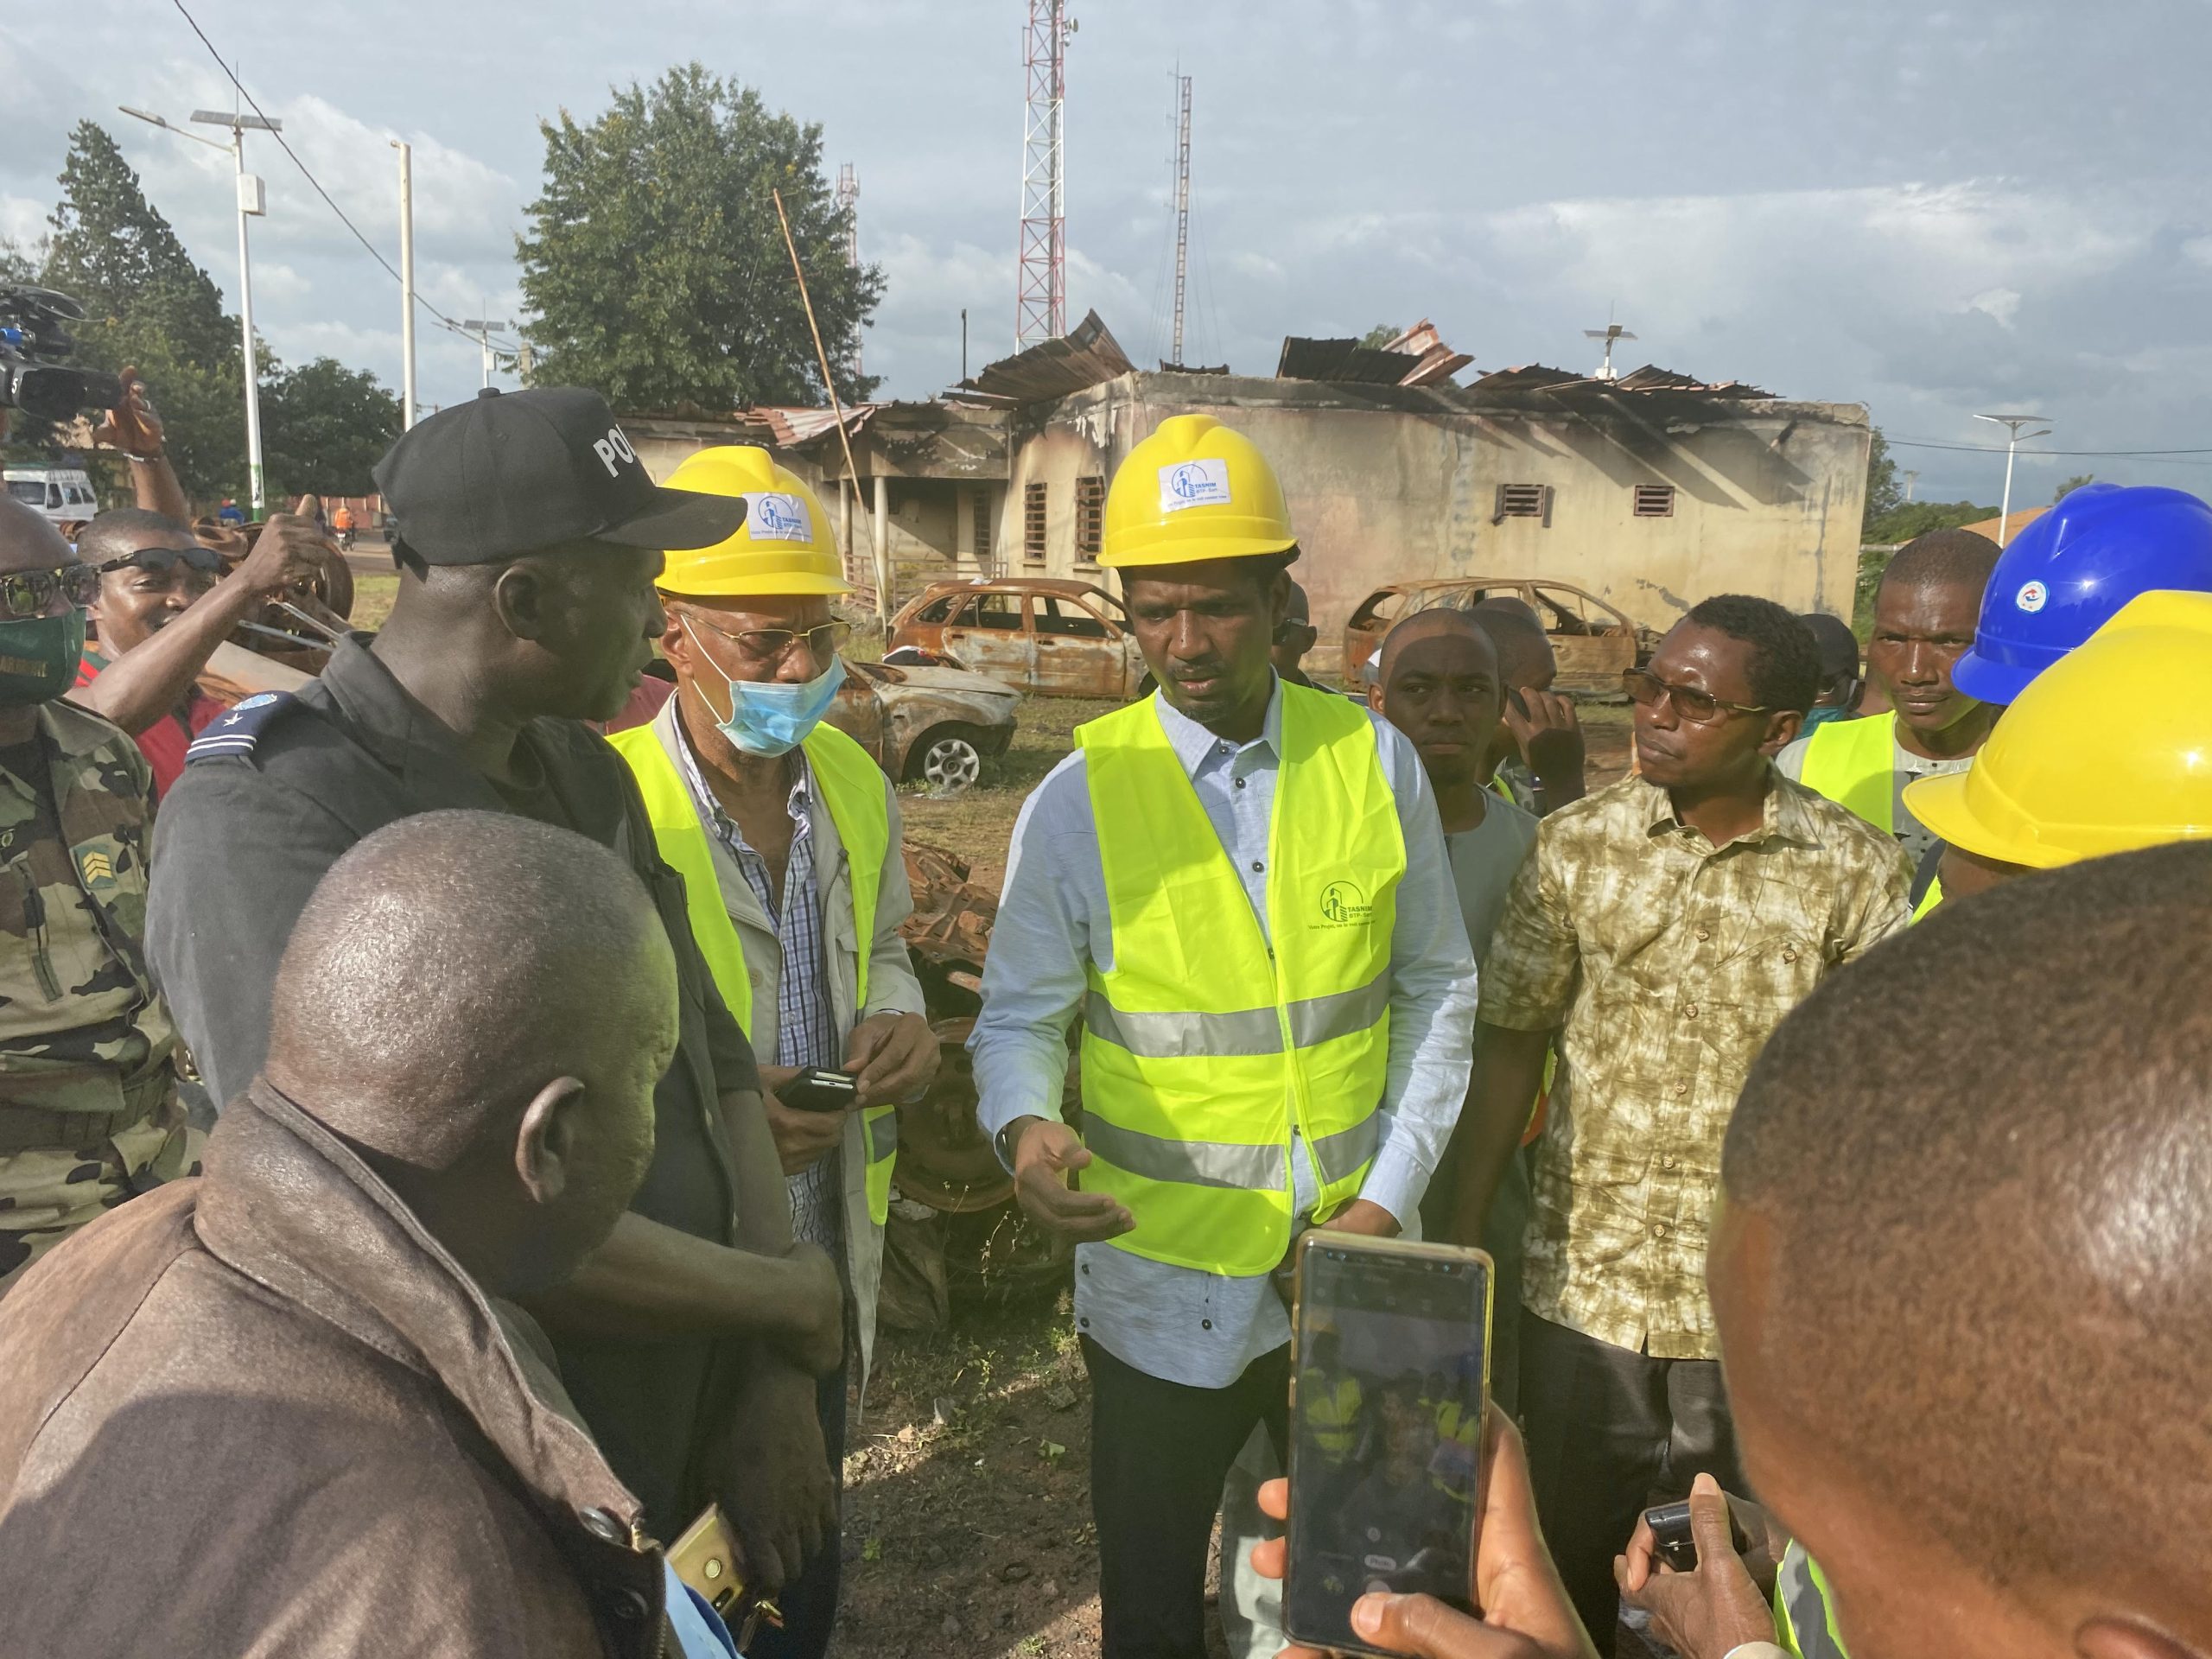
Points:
x=89 y=1113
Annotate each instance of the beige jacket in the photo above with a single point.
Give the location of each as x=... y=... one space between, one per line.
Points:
x=265 y=1412
x=891 y=987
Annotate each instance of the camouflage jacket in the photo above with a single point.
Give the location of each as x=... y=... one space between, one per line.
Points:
x=79 y=1014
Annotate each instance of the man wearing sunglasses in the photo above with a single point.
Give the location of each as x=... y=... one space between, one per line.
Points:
x=787 y=837
x=89 y=1113
x=1663 y=928
x=163 y=607
x=529 y=538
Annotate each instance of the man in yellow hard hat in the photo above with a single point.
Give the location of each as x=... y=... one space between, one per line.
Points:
x=1241 y=885
x=787 y=837
x=2022 y=805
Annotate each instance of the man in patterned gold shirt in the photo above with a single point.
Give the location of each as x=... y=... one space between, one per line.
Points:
x=1664 y=927
x=89 y=1114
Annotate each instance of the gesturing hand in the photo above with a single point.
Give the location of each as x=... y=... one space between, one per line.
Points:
x=1550 y=732
x=1046 y=1156
x=1709 y=1612
x=131 y=426
x=1526 y=1614
x=290 y=549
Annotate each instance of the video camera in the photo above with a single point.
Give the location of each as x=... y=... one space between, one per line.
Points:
x=33 y=344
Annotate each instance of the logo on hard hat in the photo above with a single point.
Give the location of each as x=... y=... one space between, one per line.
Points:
x=2032 y=597
x=777 y=516
x=1343 y=905
x=1203 y=483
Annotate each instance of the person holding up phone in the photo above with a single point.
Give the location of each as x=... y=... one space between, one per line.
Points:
x=788 y=838
x=1241 y=885
x=1538 y=756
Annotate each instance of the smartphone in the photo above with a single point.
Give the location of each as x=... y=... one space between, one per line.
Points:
x=708 y=1559
x=1673 y=1543
x=818 y=1089
x=1389 y=1380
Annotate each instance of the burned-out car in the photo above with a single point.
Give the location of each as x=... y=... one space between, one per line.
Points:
x=934 y=725
x=1593 y=640
x=1044 y=634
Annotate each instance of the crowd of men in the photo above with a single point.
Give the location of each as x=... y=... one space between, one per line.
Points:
x=522 y=1233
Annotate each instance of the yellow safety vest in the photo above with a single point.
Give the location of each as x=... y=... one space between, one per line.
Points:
x=1331 y=1413
x=1804 y=1620
x=1205 y=1048
x=852 y=788
x=1852 y=762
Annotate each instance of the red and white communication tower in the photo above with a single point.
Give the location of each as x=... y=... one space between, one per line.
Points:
x=1040 y=306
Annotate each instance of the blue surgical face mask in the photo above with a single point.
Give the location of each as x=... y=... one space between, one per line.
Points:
x=770 y=717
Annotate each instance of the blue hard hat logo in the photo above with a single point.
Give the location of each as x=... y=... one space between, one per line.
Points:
x=1190 y=482
x=2033 y=596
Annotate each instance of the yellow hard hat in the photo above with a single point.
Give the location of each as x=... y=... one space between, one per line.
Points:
x=787 y=545
x=1193 y=489
x=2108 y=750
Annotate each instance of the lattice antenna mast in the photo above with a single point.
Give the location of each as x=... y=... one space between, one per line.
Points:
x=1040 y=307
x=1182 y=207
x=848 y=203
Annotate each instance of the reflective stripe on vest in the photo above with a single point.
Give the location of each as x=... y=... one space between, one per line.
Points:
x=852 y=788
x=1203 y=1050
x=1802 y=1618
x=1853 y=763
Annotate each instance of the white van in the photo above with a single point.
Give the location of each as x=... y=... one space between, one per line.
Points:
x=63 y=494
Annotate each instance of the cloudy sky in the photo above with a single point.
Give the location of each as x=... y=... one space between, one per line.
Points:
x=1933 y=211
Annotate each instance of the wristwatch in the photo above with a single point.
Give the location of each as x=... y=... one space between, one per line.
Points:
x=1003 y=1142
x=1758 y=1650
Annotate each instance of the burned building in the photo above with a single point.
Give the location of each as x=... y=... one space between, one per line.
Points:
x=1653 y=490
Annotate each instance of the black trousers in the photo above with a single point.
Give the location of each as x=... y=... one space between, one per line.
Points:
x=1611 y=1431
x=808 y=1602
x=1159 y=1453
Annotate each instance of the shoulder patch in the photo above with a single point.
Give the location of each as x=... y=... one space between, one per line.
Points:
x=238 y=731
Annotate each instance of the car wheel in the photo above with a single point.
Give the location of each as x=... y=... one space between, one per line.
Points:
x=947 y=759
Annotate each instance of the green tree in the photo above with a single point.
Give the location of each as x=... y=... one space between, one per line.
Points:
x=148 y=304
x=654 y=265
x=323 y=426
x=1381 y=335
x=2071 y=486
x=1885 y=495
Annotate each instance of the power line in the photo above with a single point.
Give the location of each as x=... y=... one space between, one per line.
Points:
x=1998 y=449
x=389 y=270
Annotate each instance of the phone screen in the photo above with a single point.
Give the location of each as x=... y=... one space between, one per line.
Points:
x=1392 y=1372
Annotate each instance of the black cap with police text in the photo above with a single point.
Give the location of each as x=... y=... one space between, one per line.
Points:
x=504 y=476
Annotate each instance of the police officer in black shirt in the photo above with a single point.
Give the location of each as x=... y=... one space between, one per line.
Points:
x=528 y=536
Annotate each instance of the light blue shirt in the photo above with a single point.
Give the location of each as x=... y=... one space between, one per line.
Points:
x=1179 y=1323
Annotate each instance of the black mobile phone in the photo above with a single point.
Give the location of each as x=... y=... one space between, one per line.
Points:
x=818 y=1089
x=1390 y=1380
x=1673 y=1542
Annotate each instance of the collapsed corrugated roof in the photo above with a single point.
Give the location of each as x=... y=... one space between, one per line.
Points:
x=1087 y=355
x=1534 y=376
x=1418 y=357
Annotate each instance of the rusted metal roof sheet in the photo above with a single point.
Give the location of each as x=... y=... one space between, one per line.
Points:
x=1643 y=382
x=1418 y=357
x=1087 y=355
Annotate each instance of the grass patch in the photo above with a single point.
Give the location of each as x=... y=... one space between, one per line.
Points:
x=372 y=597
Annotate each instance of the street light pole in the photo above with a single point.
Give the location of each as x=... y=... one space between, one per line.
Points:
x=406 y=283
x=2012 y=424
x=481 y=330
x=252 y=202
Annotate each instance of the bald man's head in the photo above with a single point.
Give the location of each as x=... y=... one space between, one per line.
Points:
x=1963 y=1268
x=461 y=982
x=1525 y=657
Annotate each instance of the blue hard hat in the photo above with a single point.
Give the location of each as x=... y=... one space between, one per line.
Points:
x=2065 y=576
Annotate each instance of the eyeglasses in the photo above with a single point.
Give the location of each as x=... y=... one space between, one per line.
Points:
x=205 y=560
x=1290 y=632
x=773 y=644
x=27 y=593
x=1698 y=708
